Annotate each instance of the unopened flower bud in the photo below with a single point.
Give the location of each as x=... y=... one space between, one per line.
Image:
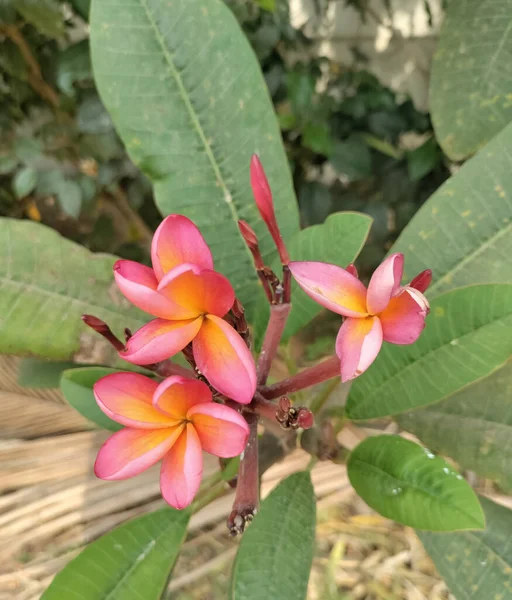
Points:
x=422 y=281
x=352 y=270
x=248 y=234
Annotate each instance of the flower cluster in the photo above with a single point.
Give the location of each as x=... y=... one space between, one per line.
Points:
x=195 y=309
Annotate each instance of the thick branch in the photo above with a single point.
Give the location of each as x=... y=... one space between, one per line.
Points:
x=308 y=377
x=277 y=322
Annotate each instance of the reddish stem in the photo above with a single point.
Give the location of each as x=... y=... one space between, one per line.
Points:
x=247 y=494
x=104 y=330
x=317 y=374
x=277 y=322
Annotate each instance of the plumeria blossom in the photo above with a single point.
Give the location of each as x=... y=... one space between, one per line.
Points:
x=385 y=311
x=188 y=299
x=172 y=421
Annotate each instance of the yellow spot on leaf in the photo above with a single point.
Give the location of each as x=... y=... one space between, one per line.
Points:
x=241 y=104
x=500 y=190
x=490 y=101
x=134 y=142
x=472 y=224
x=466 y=213
x=439 y=312
x=435 y=210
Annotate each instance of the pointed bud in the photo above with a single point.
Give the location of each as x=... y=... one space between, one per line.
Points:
x=265 y=204
x=352 y=270
x=103 y=329
x=422 y=281
x=248 y=234
x=305 y=418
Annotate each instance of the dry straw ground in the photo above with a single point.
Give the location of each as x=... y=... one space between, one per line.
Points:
x=51 y=505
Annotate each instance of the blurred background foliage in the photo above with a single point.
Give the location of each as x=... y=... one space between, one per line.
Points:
x=352 y=143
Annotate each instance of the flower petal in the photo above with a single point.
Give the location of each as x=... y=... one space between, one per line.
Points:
x=224 y=359
x=160 y=339
x=139 y=284
x=182 y=470
x=357 y=345
x=130 y=451
x=127 y=399
x=222 y=431
x=332 y=287
x=176 y=241
x=197 y=291
x=385 y=283
x=176 y=395
x=404 y=318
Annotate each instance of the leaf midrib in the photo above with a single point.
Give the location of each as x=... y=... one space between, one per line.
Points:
x=417 y=488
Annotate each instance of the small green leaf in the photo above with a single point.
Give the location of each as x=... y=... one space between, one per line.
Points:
x=35 y=373
x=93 y=117
x=28 y=149
x=8 y=163
x=82 y=7
x=230 y=469
x=130 y=563
x=73 y=65
x=422 y=160
x=70 y=198
x=77 y=384
x=352 y=158
x=469 y=86
x=317 y=137
x=476 y=565
x=24 y=182
x=465 y=338
x=276 y=551
x=339 y=240
x=474 y=427
x=45 y=15
x=269 y=5
x=405 y=482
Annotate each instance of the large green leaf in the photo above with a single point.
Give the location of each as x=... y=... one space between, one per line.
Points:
x=407 y=483
x=470 y=92
x=476 y=565
x=47 y=283
x=467 y=337
x=77 y=384
x=339 y=240
x=473 y=426
x=187 y=97
x=276 y=552
x=129 y=563
x=464 y=231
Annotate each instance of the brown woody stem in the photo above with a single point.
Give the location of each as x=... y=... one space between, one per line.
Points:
x=247 y=494
x=323 y=371
x=277 y=322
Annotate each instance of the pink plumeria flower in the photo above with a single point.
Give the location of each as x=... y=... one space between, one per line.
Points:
x=172 y=421
x=384 y=311
x=189 y=300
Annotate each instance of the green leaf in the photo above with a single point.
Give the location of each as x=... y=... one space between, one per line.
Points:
x=8 y=163
x=24 y=182
x=317 y=137
x=73 y=65
x=34 y=373
x=82 y=7
x=92 y=116
x=464 y=231
x=77 y=384
x=276 y=551
x=47 y=283
x=466 y=338
x=474 y=427
x=70 y=198
x=45 y=15
x=422 y=160
x=187 y=97
x=476 y=565
x=269 y=5
x=130 y=563
x=469 y=87
x=404 y=482
x=339 y=240
x=352 y=158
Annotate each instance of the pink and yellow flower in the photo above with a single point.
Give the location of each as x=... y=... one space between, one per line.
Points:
x=384 y=311
x=172 y=421
x=189 y=300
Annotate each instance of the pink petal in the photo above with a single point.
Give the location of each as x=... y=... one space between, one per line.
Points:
x=127 y=399
x=182 y=470
x=130 y=451
x=404 y=318
x=176 y=241
x=332 y=287
x=222 y=431
x=176 y=395
x=139 y=284
x=385 y=283
x=422 y=281
x=197 y=291
x=160 y=339
x=357 y=345
x=224 y=359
